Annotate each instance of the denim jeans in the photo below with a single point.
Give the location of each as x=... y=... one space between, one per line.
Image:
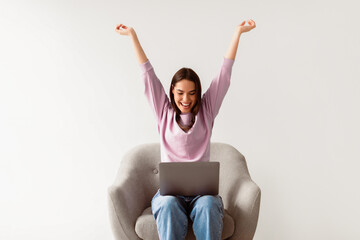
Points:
x=173 y=213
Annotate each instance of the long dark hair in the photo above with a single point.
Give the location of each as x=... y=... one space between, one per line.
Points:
x=188 y=74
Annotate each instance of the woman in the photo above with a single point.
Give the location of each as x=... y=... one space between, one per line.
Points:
x=185 y=125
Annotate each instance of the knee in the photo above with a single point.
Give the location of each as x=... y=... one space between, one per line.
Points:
x=169 y=202
x=165 y=205
x=209 y=203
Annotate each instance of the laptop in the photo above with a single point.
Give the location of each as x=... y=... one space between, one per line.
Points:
x=189 y=178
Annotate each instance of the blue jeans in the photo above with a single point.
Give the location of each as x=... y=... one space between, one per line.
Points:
x=172 y=215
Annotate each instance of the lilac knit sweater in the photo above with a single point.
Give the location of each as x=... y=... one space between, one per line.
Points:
x=177 y=145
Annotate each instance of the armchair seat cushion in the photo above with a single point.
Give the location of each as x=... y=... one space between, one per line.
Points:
x=145 y=226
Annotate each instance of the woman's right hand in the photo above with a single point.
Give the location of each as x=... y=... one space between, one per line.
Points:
x=242 y=28
x=129 y=31
x=124 y=30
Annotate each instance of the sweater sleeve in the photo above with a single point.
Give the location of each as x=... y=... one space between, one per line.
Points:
x=154 y=90
x=217 y=90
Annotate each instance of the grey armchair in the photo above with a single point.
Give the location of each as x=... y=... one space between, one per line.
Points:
x=138 y=180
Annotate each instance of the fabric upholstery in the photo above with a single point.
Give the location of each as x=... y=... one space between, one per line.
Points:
x=137 y=181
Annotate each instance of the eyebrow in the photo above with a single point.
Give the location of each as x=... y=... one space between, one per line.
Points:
x=182 y=90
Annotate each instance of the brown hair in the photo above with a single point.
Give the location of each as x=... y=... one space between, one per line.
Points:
x=188 y=74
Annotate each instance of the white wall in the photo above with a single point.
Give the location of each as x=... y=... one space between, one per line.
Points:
x=72 y=103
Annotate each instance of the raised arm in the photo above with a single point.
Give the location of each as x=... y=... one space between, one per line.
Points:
x=129 y=31
x=231 y=52
x=154 y=90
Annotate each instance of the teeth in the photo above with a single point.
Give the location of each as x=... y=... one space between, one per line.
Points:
x=185 y=104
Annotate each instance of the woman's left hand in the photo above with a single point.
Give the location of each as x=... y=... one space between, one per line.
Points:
x=242 y=28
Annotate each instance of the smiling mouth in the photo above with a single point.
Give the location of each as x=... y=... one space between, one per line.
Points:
x=185 y=106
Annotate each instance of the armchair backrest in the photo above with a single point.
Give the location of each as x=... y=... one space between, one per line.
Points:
x=140 y=165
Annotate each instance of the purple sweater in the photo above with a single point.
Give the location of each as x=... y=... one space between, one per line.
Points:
x=194 y=145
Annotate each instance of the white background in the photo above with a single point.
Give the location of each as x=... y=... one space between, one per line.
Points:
x=72 y=103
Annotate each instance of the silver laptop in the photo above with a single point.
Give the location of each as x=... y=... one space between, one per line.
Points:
x=189 y=178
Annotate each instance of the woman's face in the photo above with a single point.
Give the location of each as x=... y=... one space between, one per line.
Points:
x=184 y=95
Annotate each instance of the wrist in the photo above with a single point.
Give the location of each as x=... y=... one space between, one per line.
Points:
x=132 y=33
x=239 y=32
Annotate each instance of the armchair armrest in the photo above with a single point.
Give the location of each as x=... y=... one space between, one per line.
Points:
x=245 y=206
x=126 y=203
x=135 y=184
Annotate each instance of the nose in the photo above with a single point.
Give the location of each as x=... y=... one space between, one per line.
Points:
x=186 y=97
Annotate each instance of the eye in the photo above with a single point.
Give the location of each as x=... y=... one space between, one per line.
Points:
x=192 y=93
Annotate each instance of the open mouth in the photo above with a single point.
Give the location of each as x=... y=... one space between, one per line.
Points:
x=184 y=105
